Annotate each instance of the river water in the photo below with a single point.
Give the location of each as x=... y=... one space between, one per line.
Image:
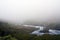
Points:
x=50 y=31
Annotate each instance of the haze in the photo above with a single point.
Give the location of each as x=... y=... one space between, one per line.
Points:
x=19 y=11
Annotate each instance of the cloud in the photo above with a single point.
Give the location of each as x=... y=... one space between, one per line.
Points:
x=38 y=10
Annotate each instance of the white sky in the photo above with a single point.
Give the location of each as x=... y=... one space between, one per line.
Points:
x=37 y=10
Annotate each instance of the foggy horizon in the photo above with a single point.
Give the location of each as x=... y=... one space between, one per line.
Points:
x=21 y=11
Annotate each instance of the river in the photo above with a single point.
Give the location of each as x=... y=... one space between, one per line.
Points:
x=41 y=31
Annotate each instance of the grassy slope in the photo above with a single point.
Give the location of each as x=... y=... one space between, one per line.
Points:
x=9 y=32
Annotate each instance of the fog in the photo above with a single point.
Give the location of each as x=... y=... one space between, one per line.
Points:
x=19 y=11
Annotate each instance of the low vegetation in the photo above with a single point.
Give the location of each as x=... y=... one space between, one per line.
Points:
x=8 y=32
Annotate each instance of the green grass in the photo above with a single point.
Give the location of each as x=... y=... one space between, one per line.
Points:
x=9 y=33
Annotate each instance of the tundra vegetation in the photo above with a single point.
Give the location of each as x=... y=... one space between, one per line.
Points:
x=15 y=32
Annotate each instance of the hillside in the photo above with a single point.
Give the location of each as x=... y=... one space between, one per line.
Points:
x=19 y=32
